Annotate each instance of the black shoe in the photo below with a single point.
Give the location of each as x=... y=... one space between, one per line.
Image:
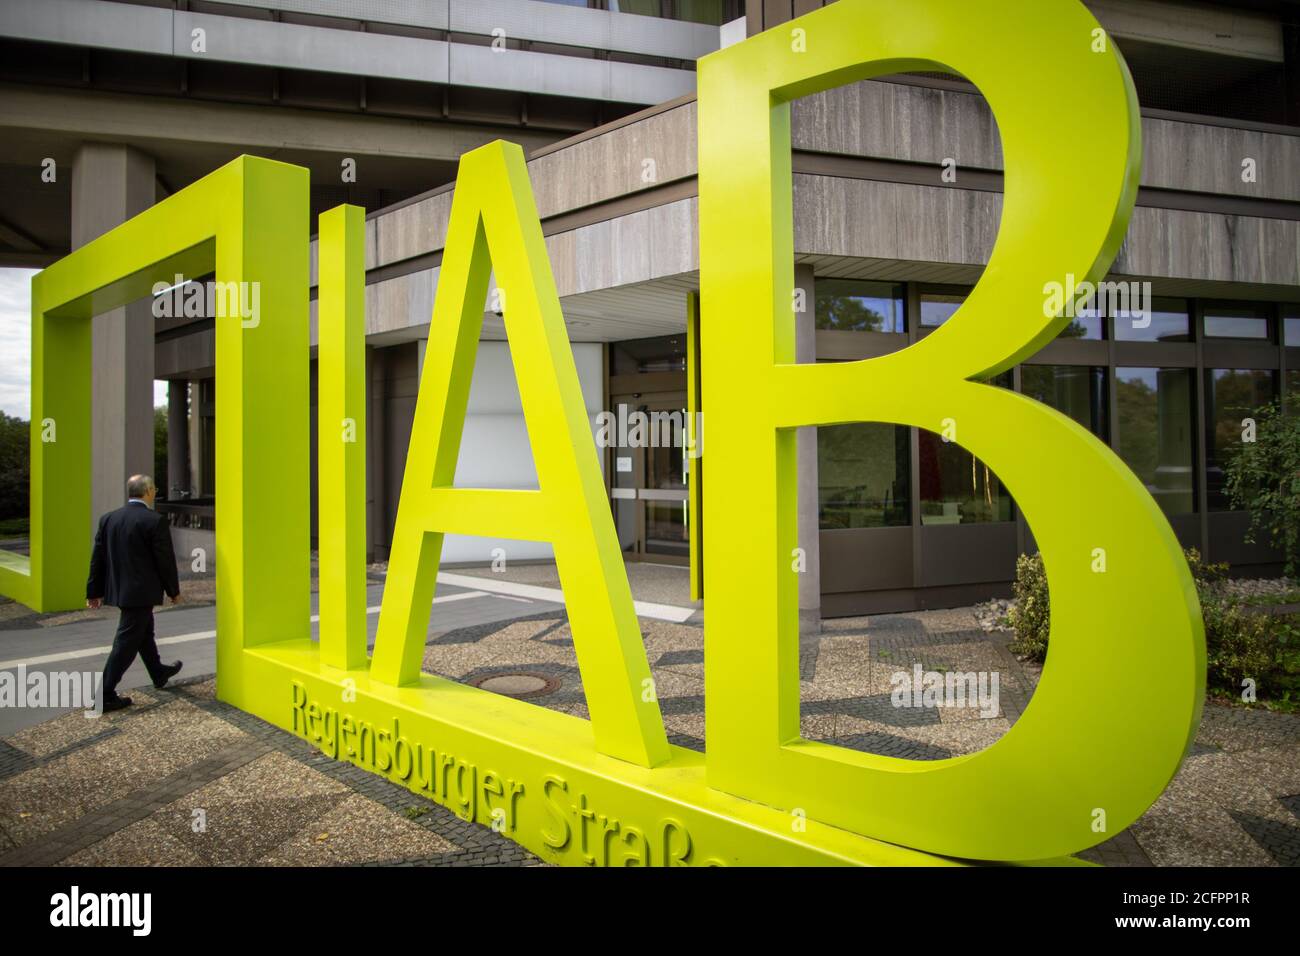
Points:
x=171 y=670
x=116 y=703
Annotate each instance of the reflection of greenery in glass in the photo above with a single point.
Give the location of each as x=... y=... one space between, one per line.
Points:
x=863 y=474
x=1231 y=395
x=1293 y=391
x=1086 y=324
x=647 y=8
x=859 y=306
x=956 y=487
x=1155 y=432
x=1075 y=330
x=697 y=11
x=1261 y=480
x=1076 y=390
x=1137 y=422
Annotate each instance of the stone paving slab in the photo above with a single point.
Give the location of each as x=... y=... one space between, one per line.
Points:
x=125 y=788
x=251 y=795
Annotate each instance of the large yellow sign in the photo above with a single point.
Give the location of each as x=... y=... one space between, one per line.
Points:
x=1121 y=692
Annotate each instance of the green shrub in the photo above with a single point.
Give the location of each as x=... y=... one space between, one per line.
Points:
x=1030 y=617
x=1209 y=578
x=1240 y=644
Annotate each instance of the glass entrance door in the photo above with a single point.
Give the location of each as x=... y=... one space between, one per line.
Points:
x=648 y=477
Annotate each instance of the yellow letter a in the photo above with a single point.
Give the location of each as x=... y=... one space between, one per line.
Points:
x=494 y=227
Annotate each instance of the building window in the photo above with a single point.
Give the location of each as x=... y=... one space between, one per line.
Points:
x=1156 y=424
x=1291 y=325
x=863 y=475
x=938 y=307
x=1231 y=395
x=1236 y=321
x=665 y=353
x=712 y=12
x=956 y=487
x=700 y=11
x=1170 y=321
x=665 y=528
x=860 y=306
x=1086 y=324
x=1075 y=390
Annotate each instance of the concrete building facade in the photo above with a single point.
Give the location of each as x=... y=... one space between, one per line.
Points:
x=897 y=192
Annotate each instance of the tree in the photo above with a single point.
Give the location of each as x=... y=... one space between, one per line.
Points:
x=15 y=436
x=1263 y=477
x=160 y=449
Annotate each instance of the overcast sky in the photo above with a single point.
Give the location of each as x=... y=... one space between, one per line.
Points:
x=16 y=344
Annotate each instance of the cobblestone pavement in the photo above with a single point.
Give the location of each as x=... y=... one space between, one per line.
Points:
x=127 y=788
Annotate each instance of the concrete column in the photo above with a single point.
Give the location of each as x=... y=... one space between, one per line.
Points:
x=110 y=184
x=208 y=434
x=195 y=463
x=810 y=582
x=202 y=437
x=178 y=439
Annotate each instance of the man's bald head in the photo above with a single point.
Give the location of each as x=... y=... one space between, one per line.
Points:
x=142 y=487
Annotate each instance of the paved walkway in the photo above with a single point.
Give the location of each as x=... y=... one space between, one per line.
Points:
x=181 y=779
x=80 y=640
x=129 y=787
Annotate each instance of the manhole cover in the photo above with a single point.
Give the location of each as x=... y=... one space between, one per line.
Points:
x=517 y=684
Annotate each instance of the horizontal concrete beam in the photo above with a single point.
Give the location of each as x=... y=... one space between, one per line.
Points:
x=291 y=46
x=931 y=224
x=90 y=23
x=28 y=260
x=1189 y=26
x=921 y=124
x=521 y=20
x=426 y=14
x=859 y=219
x=523 y=71
x=123 y=117
x=108 y=25
x=874 y=120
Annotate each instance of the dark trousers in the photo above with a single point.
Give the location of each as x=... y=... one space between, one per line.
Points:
x=134 y=636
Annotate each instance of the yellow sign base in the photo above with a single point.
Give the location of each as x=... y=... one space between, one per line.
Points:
x=533 y=776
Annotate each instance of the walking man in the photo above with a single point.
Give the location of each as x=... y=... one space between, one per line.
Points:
x=132 y=566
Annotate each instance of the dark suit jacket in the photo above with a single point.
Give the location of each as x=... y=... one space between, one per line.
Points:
x=133 y=562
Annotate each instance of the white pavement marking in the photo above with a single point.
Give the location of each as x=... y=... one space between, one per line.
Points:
x=661 y=612
x=96 y=651
x=186 y=638
x=374 y=608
